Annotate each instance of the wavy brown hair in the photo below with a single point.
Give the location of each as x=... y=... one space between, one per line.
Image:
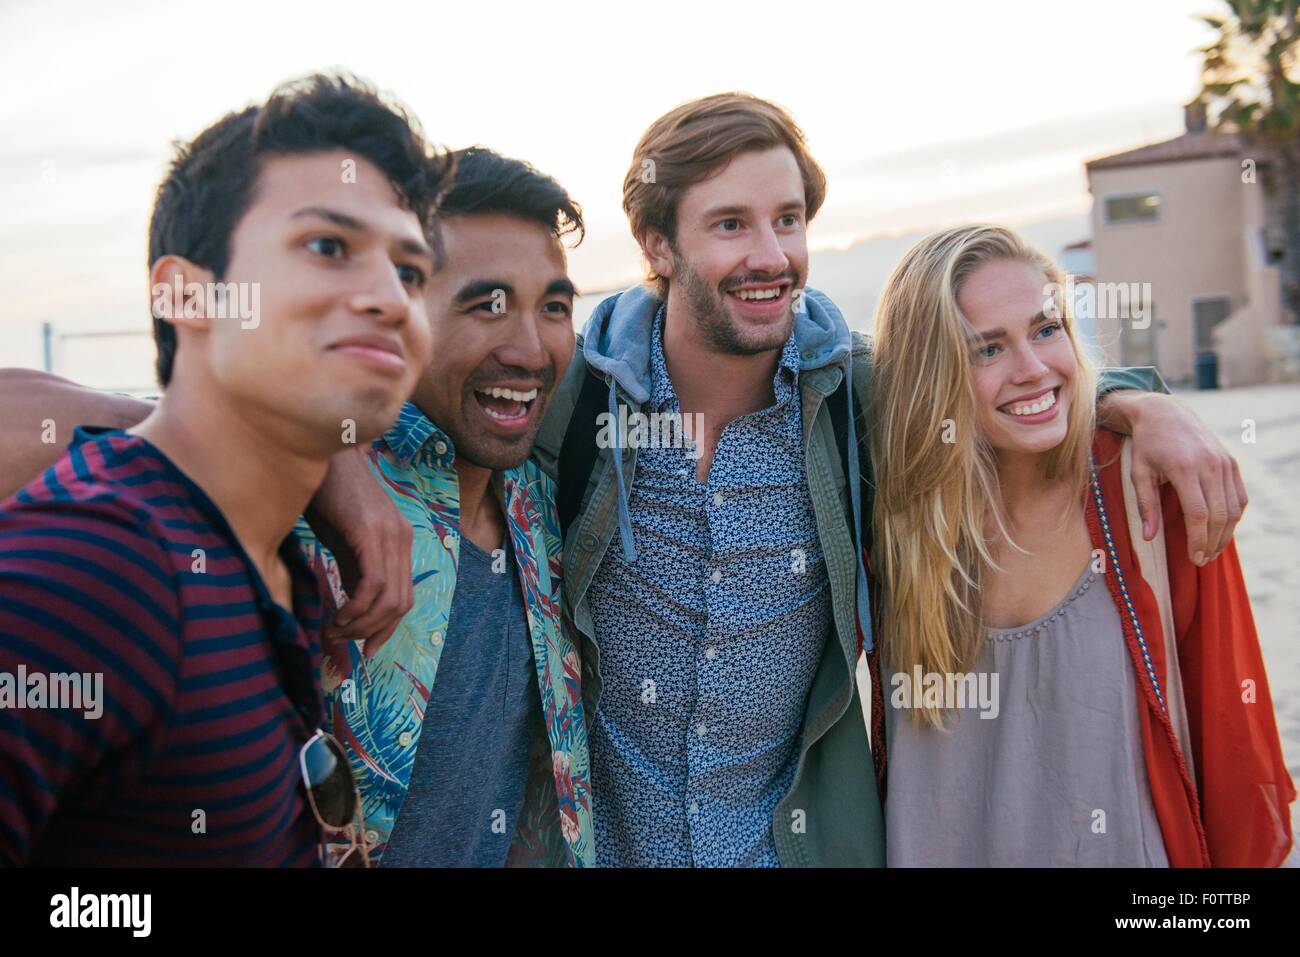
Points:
x=695 y=140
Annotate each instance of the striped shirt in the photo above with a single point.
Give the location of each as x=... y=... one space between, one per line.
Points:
x=116 y=569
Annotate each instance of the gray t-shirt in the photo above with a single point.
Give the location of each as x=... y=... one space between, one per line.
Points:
x=467 y=783
x=1054 y=777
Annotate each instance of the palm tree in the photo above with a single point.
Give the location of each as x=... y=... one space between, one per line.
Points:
x=1250 y=86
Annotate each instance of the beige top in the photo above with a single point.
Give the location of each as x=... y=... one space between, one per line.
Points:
x=1055 y=776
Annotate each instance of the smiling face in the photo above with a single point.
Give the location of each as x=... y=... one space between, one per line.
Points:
x=1024 y=365
x=502 y=315
x=337 y=270
x=740 y=252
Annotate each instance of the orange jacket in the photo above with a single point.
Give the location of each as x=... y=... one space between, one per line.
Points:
x=1237 y=812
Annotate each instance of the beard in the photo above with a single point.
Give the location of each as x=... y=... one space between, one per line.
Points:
x=488 y=450
x=491 y=451
x=713 y=319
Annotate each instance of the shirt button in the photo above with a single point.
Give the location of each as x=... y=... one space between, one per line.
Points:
x=700 y=730
x=435 y=639
x=716 y=576
x=404 y=739
x=440 y=447
x=695 y=808
x=717 y=498
x=372 y=837
x=710 y=653
x=587 y=541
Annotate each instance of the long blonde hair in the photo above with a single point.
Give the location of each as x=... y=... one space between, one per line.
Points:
x=938 y=504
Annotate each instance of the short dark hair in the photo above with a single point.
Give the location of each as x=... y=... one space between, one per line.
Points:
x=487 y=182
x=212 y=180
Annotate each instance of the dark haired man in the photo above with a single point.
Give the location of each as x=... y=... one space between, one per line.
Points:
x=465 y=729
x=158 y=564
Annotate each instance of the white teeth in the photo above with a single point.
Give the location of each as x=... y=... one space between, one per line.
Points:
x=497 y=392
x=498 y=415
x=1042 y=405
x=758 y=293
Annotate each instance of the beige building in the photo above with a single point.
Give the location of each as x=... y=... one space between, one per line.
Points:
x=1185 y=261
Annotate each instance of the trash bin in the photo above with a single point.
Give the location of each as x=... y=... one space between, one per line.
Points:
x=1207 y=370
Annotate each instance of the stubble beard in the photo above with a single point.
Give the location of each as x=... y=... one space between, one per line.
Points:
x=720 y=332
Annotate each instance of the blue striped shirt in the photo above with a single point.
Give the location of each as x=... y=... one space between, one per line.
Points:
x=114 y=564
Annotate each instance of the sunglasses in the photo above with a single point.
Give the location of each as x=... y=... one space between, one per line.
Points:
x=334 y=798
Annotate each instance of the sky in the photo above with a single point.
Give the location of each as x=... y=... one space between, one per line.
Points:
x=921 y=114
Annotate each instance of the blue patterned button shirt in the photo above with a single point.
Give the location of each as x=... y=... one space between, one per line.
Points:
x=708 y=642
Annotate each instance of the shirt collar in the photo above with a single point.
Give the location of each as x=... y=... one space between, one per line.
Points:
x=787 y=370
x=413 y=434
x=662 y=393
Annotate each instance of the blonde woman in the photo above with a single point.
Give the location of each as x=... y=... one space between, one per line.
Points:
x=1057 y=690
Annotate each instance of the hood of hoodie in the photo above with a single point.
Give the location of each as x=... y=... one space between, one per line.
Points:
x=616 y=339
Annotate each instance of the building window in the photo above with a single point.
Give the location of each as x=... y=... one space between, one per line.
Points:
x=1136 y=208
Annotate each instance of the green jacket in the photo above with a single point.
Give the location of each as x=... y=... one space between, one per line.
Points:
x=832 y=814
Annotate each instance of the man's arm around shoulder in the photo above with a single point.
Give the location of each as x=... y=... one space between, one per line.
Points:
x=41 y=412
